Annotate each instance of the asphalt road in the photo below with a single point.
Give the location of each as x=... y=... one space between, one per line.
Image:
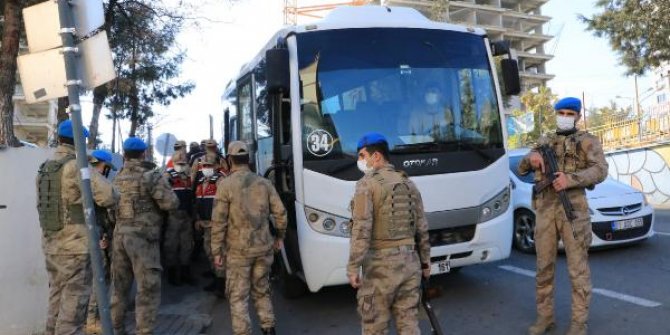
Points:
x=631 y=296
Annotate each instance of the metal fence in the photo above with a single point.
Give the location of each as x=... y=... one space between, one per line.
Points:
x=652 y=127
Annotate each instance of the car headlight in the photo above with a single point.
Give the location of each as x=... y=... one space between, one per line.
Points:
x=327 y=223
x=495 y=207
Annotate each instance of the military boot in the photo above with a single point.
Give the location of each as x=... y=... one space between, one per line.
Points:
x=211 y=287
x=577 y=328
x=268 y=331
x=185 y=275
x=173 y=276
x=541 y=326
x=220 y=290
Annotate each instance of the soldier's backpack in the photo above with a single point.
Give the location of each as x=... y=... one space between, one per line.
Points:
x=49 y=195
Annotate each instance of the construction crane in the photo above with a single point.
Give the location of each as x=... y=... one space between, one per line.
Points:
x=292 y=10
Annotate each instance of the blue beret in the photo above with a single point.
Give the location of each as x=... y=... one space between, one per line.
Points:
x=103 y=156
x=134 y=144
x=569 y=103
x=371 y=139
x=65 y=129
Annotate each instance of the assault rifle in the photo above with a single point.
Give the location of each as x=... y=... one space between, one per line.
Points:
x=435 y=328
x=550 y=169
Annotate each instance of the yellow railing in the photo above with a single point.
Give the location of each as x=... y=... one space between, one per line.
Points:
x=620 y=134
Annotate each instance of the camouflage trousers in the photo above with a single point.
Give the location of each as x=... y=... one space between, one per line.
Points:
x=245 y=276
x=69 y=290
x=178 y=244
x=136 y=257
x=390 y=288
x=207 y=244
x=552 y=226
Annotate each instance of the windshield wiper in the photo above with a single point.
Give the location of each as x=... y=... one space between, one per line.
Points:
x=479 y=151
x=416 y=147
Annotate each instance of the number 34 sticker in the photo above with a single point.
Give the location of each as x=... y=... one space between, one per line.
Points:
x=320 y=143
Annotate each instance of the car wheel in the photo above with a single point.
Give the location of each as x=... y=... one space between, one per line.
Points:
x=524 y=231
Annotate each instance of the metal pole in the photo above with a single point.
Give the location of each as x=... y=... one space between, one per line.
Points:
x=150 y=156
x=73 y=82
x=639 y=114
x=211 y=127
x=586 y=126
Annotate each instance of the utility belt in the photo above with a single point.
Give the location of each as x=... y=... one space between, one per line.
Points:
x=150 y=232
x=385 y=244
x=394 y=250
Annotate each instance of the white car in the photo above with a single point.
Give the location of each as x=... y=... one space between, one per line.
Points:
x=620 y=214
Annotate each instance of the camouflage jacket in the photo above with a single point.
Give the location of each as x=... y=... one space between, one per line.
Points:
x=243 y=205
x=145 y=192
x=365 y=204
x=73 y=238
x=580 y=156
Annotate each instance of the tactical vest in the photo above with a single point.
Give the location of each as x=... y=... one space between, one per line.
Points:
x=570 y=155
x=49 y=197
x=135 y=199
x=395 y=220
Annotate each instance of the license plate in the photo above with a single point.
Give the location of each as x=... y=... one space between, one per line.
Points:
x=443 y=266
x=627 y=224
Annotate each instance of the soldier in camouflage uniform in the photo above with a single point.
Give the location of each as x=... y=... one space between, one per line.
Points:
x=389 y=240
x=101 y=160
x=241 y=233
x=582 y=165
x=178 y=243
x=145 y=192
x=65 y=236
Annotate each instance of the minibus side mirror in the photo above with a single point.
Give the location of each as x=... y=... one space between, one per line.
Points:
x=510 y=74
x=277 y=70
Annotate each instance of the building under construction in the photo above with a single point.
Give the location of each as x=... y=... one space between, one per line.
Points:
x=518 y=21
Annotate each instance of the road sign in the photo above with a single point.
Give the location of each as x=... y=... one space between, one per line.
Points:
x=95 y=65
x=165 y=144
x=43 y=25
x=43 y=73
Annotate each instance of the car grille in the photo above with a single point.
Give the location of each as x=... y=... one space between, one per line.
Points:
x=604 y=230
x=620 y=211
x=452 y=235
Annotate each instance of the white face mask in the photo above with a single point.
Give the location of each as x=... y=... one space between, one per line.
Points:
x=431 y=98
x=208 y=172
x=565 y=122
x=179 y=168
x=363 y=166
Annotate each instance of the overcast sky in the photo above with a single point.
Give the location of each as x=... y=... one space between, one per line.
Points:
x=233 y=34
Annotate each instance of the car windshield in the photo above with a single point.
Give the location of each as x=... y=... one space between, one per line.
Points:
x=514 y=164
x=425 y=90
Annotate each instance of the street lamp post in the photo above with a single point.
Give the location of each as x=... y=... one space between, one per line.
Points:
x=639 y=114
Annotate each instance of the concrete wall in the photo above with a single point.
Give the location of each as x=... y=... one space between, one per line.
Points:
x=23 y=278
x=646 y=169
